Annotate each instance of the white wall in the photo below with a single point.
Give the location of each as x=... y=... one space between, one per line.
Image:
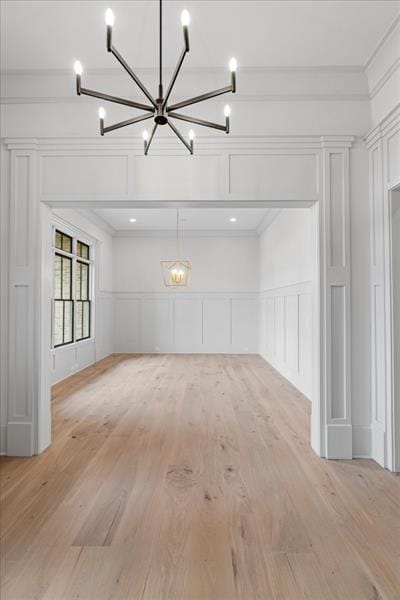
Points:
x=74 y=357
x=217 y=314
x=287 y=255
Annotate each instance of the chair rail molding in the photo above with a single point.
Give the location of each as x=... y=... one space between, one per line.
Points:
x=384 y=156
x=283 y=171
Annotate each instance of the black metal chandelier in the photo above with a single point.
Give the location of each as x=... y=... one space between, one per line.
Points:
x=159 y=109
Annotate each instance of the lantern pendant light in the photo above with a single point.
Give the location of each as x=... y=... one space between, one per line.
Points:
x=176 y=273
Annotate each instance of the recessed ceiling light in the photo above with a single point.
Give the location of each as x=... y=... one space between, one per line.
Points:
x=132 y=220
x=233 y=219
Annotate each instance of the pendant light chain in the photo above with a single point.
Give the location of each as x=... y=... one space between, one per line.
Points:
x=177 y=235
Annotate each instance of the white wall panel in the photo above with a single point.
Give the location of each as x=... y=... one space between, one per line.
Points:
x=265 y=176
x=178 y=177
x=84 y=175
x=126 y=324
x=244 y=324
x=188 y=323
x=216 y=323
x=156 y=326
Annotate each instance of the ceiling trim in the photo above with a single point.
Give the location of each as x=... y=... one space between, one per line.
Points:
x=87 y=213
x=149 y=71
x=382 y=41
x=185 y=233
x=268 y=219
x=350 y=97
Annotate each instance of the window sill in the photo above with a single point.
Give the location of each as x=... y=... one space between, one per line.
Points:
x=73 y=345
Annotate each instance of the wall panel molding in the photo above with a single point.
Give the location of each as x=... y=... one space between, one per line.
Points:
x=286 y=332
x=194 y=322
x=384 y=155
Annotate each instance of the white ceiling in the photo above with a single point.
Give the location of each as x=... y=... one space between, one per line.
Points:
x=51 y=34
x=207 y=219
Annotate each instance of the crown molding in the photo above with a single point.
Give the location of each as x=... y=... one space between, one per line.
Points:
x=268 y=219
x=150 y=71
x=385 y=78
x=391 y=121
x=101 y=223
x=239 y=98
x=184 y=233
x=382 y=41
x=257 y=143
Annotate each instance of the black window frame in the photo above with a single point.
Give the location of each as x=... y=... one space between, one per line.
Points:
x=64 y=301
x=75 y=260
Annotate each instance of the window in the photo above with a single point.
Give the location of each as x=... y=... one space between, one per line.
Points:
x=72 y=290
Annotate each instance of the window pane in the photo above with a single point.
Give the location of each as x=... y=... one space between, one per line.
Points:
x=78 y=281
x=82 y=250
x=86 y=319
x=63 y=321
x=66 y=243
x=57 y=276
x=66 y=278
x=78 y=321
x=58 y=320
x=68 y=322
x=82 y=320
x=58 y=241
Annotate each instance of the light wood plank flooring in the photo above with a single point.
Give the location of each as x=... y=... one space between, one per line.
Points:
x=186 y=477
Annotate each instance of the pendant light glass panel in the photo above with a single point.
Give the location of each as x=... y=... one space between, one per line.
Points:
x=176 y=273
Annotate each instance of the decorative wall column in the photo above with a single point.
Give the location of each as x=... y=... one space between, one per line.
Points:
x=334 y=320
x=24 y=325
x=384 y=155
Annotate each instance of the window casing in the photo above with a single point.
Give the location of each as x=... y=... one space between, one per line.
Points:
x=72 y=277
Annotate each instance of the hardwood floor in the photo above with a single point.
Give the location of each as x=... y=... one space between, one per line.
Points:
x=186 y=477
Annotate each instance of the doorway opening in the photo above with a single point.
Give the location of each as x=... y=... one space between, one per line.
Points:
x=254 y=287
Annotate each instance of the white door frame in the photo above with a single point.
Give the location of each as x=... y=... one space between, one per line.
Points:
x=274 y=171
x=393 y=409
x=384 y=156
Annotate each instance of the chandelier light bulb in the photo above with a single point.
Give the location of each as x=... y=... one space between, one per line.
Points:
x=78 y=67
x=110 y=19
x=233 y=65
x=102 y=113
x=145 y=135
x=191 y=135
x=185 y=18
x=227 y=110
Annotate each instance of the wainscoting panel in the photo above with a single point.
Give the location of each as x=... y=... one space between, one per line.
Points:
x=261 y=176
x=186 y=323
x=126 y=324
x=285 y=332
x=156 y=330
x=66 y=175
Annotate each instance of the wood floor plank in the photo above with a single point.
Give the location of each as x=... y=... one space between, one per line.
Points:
x=191 y=477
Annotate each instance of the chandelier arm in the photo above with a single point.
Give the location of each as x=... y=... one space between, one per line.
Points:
x=196 y=121
x=134 y=77
x=174 y=76
x=180 y=136
x=207 y=96
x=116 y=99
x=150 y=139
x=127 y=122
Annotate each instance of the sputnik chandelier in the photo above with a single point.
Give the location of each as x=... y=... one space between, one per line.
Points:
x=159 y=109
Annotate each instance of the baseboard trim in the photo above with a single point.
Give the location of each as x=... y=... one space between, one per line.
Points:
x=362 y=443
x=19 y=439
